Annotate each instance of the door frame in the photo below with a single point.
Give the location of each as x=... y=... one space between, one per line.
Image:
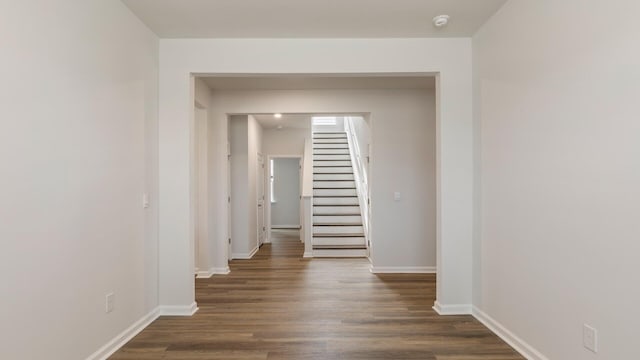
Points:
x=267 y=186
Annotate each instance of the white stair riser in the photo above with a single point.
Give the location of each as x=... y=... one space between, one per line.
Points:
x=339 y=219
x=332 y=157
x=329 y=135
x=335 y=210
x=346 y=253
x=331 y=152
x=330 y=146
x=328 y=241
x=332 y=163
x=338 y=230
x=333 y=170
x=336 y=177
x=336 y=201
x=334 y=184
x=330 y=141
x=334 y=192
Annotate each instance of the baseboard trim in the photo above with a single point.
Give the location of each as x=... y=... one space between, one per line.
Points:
x=307 y=254
x=213 y=271
x=526 y=350
x=178 y=310
x=245 y=256
x=121 y=339
x=286 y=227
x=402 y=269
x=454 y=309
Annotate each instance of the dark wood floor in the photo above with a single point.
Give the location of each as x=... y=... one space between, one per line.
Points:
x=280 y=306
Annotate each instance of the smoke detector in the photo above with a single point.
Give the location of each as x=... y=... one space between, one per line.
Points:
x=441 y=21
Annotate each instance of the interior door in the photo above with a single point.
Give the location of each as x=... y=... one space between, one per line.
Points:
x=229 y=252
x=260 y=195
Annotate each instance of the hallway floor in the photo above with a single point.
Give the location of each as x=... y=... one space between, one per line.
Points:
x=280 y=306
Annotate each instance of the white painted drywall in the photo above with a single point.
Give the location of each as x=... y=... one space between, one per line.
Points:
x=362 y=133
x=239 y=139
x=254 y=143
x=76 y=160
x=285 y=141
x=403 y=133
x=285 y=211
x=201 y=196
x=245 y=135
x=557 y=86
x=449 y=58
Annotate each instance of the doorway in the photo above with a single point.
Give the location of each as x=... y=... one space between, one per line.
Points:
x=284 y=194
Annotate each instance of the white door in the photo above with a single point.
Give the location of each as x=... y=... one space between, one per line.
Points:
x=260 y=195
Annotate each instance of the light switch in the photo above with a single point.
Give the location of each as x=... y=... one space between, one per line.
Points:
x=396 y=196
x=145 y=200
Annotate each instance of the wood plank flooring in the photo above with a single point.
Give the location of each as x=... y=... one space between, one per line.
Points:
x=280 y=306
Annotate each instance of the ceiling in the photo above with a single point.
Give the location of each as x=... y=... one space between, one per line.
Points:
x=311 y=18
x=310 y=82
x=287 y=121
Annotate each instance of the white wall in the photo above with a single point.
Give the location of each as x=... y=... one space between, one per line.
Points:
x=245 y=135
x=362 y=132
x=239 y=139
x=557 y=85
x=285 y=141
x=255 y=148
x=449 y=58
x=285 y=211
x=77 y=155
x=403 y=134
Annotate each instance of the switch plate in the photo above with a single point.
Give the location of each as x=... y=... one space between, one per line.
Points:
x=109 y=302
x=590 y=338
x=145 y=200
x=396 y=196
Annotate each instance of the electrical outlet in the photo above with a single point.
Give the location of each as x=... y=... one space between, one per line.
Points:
x=590 y=338
x=109 y=302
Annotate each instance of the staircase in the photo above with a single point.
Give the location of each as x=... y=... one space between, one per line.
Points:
x=337 y=220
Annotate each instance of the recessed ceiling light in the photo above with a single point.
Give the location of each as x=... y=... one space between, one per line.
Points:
x=277 y=115
x=441 y=21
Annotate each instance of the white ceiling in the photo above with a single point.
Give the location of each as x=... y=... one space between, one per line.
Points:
x=311 y=19
x=288 y=121
x=309 y=82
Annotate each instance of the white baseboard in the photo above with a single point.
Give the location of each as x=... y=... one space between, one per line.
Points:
x=213 y=271
x=453 y=309
x=245 y=256
x=526 y=350
x=285 y=227
x=307 y=254
x=178 y=310
x=121 y=339
x=403 y=269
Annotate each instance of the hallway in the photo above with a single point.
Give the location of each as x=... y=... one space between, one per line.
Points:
x=280 y=306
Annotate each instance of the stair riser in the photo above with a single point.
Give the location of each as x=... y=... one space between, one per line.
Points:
x=335 y=177
x=331 y=152
x=338 y=241
x=330 y=146
x=332 y=157
x=346 y=253
x=336 y=210
x=333 y=170
x=336 y=201
x=330 y=141
x=334 y=192
x=331 y=163
x=329 y=135
x=334 y=184
x=340 y=219
x=338 y=230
